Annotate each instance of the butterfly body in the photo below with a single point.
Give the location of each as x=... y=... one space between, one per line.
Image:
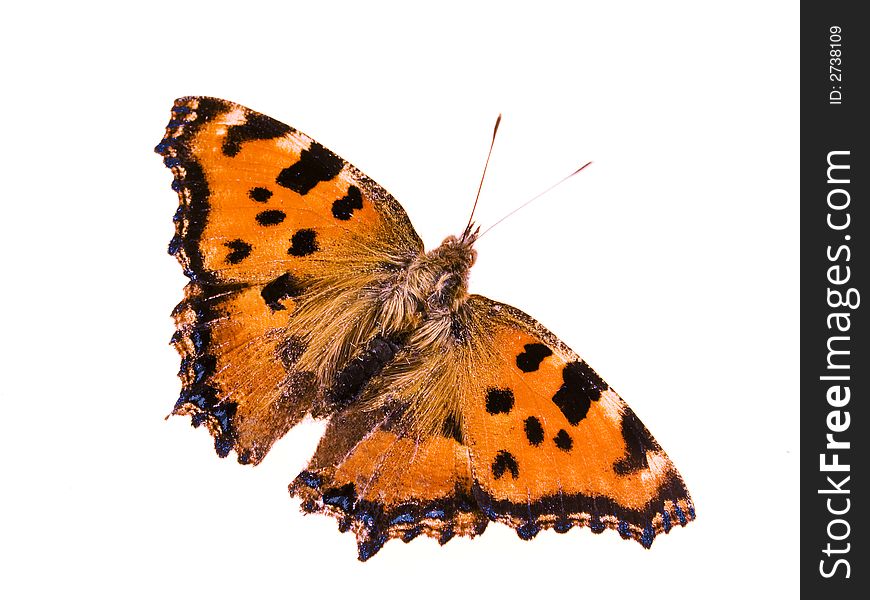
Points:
x=311 y=293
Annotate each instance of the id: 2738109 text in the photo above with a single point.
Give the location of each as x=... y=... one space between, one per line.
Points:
x=835 y=64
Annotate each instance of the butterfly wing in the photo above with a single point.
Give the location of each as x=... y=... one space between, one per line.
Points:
x=383 y=481
x=553 y=446
x=264 y=214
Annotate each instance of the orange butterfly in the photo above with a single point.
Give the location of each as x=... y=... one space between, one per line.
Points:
x=311 y=293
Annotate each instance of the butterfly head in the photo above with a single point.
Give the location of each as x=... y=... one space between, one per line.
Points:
x=447 y=267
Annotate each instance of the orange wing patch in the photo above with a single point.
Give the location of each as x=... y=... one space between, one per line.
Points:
x=383 y=484
x=553 y=446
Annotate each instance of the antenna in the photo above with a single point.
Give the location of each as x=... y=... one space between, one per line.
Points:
x=527 y=202
x=480 y=187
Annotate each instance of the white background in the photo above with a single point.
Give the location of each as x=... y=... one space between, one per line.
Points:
x=671 y=265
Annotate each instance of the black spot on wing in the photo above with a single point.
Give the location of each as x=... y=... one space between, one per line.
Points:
x=499 y=400
x=315 y=164
x=260 y=194
x=581 y=387
x=505 y=461
x=255 y=127
x=530 y=359
x=282 y=287
x=637 y=442
x=268 y=218
x=240 y=250
x=451 y=429
x=563 y=440
x=303 y=243
x=342 y=209
x=534 y=431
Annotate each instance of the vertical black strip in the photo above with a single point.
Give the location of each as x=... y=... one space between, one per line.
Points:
x=835 y=225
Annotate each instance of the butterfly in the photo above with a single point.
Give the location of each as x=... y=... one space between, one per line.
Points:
x=310 y=293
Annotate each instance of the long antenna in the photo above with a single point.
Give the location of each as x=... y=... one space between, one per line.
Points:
x=526 y=203
x=480 y=187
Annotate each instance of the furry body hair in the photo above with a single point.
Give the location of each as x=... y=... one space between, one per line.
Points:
x=418 y=300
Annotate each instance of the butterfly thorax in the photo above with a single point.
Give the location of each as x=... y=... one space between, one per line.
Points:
x=423 y=301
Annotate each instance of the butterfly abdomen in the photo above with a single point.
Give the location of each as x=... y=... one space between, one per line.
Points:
x=350 y=380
